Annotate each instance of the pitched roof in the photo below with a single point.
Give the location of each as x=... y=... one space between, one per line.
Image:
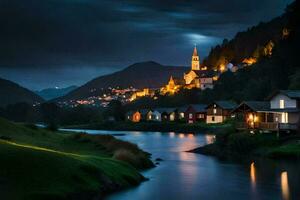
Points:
x=225 y=104
x=144 y=111
x=204 y=73
x=195 y=53
x=182 y=108
x=256 y=105
x=167 y=110
x=199 y=107
x=293 y=94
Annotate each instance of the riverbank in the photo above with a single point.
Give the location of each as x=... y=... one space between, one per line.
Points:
x=235 y=145
x=151 y=126
x=41 y=164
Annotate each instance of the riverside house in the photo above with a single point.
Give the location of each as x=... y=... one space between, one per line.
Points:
x=247 y=114
x=284 y=112
x=168 y=114
x=280 y=113
x=195 y=113
x=134 y=116
x=153 y=115
x=219 y=111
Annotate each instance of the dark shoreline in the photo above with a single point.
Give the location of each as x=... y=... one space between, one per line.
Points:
x=150 y=127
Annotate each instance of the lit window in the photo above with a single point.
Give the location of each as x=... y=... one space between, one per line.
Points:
x=172 y=117
x=215 y=111
x=182 y=115
x=284 y=118
x=190 y=115
x=281 y=103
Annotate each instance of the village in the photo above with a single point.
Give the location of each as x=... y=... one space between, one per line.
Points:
x=280 y=112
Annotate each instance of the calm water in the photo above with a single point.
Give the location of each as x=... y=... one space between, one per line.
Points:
x=192 y=176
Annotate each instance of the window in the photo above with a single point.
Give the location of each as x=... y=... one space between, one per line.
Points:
x=191 y=115
x=284 y=118
x=213 y=119
x=215 y=111
x=201 y=116
x=182 y=115
x=281 y=103
x=172 y=117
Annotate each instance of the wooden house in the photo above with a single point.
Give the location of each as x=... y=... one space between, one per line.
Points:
x=195 y=113
x=247 y=114
x=219 y=111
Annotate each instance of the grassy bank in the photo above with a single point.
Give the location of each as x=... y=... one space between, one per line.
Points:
x=235 y=145
x=151 y=126
x=40 y=164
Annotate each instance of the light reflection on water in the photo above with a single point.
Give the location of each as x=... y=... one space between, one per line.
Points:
x=285 y=186
x=184 y=175
x=252 y=175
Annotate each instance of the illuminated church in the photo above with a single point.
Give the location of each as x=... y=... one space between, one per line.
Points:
x=198 y=77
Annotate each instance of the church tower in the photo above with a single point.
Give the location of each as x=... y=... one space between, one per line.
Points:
x=195 y=60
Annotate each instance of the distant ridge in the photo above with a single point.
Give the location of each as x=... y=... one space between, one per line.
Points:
x=139 y=75
x=52 y=93
x=11 y=93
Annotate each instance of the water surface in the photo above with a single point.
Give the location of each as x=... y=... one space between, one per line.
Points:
x=189 y=176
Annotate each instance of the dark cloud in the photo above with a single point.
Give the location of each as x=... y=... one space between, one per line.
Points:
x=57 y=33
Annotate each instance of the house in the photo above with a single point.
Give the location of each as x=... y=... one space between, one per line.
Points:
x=195 y=113
x=219 y=111
x=284 y=111
x=247 y=114
x=134 y=116
x=181 y=112
x=153 y=115
x=168 y=114
x=144 y=114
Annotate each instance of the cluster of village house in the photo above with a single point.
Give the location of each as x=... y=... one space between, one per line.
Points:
x=280 y=112
x=197 y=77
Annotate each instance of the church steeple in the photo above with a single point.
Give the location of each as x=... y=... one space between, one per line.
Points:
x=195 y=53
x=195 y=60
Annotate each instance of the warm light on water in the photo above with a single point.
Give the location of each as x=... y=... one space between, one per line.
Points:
x=285 y=186
x=172 y=134
x=209 y=139
x=252 y=175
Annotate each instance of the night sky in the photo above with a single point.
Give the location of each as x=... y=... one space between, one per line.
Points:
x=47 y=43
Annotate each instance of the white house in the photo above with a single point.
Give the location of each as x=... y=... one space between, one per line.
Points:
x=284 y=112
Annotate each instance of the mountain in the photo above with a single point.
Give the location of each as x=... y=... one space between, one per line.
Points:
x=278 y=71
x=140 y=75
x=11 y=93
x=52 y=93
x=252 y=43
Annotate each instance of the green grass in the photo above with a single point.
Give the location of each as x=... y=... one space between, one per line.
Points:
x=39 y=164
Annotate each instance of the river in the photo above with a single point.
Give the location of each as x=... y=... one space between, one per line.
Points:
x=189 y=176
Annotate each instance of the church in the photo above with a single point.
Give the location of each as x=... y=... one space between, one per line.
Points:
x=198 y=77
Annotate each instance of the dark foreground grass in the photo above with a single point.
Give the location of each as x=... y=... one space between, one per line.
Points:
x=38 y=164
